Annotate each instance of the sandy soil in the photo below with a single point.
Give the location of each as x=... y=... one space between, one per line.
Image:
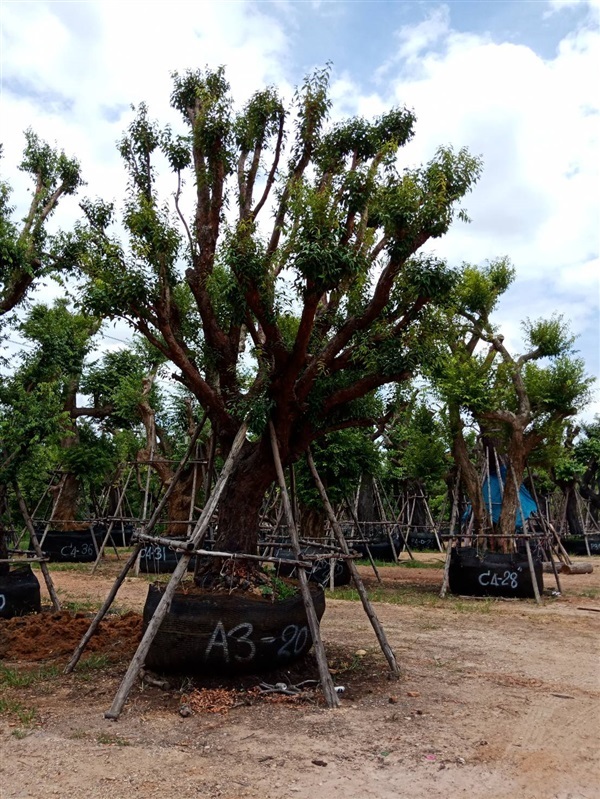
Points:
x=497 y=699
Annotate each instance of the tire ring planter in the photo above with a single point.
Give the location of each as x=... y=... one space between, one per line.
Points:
x=222 y=634
x=320 y=571
x=70 y=546
x=495 y=574
x=19 y=592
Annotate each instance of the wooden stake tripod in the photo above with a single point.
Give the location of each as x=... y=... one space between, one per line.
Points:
x=191 y=545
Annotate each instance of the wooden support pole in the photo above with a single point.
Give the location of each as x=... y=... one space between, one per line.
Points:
x=545 y=529
x=130 y=562
x=111 y=524
x=453 y=516
x=383 y=515
x=103 y=610
x=329 y=691
x=367 y=547
x=360 y=587
x=536 y=590
x=37 y=548
x=165 y=602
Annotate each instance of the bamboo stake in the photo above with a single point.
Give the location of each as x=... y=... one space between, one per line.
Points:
x=111 y=525
x=54 y=505
x=311 y=615
x=103 y=610
x=453 y=516
x=545 y=529
x=147 y=489
x=369 y=554
x=536 y=590
x=32 y=515
x=383 y=515
x=133 y=558
x=404 y=536
x=583 y=527
x=430 y=517
x=165 y=602
x=38 y=549
x=364 y=597
x=210 y=466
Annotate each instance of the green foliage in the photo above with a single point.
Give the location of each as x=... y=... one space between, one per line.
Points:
x=561 y=388
x=480 y=288
x=341 y=458
x=51 y=167
x=550 y=337
x=259 y=120
x=417 y=446
x=28 y=251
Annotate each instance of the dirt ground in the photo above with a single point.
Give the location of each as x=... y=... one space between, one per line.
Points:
x=497 y=699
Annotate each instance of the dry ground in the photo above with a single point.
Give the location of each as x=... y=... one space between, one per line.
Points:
x=497 y=699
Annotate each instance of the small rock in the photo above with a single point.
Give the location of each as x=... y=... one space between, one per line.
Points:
x=185 y=711
x=318 y=762
x=392 y=700
x=460 y=761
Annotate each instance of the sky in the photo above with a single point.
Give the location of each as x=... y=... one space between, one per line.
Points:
x=516 y=82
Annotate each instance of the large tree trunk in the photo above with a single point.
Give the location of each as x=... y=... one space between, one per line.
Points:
x=67 y=492
x=516 y=460
x=367 y=509
x=64 y=511
x=312 y=522
x=572 y=511
x=468 y=473
x=242 y=499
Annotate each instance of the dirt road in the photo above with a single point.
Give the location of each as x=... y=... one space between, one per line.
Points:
x=497 y=699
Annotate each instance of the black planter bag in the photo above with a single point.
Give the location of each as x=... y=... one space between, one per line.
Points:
x=159 y=559
x=19 y=592
x=422 y=542
x=214 y=633
x=494 y=574
x=70 y=546
x=576 y=545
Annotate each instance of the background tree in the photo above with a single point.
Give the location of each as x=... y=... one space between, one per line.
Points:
x=519 y=403
x=27 y=252
x=330 y=296
x=587 y=454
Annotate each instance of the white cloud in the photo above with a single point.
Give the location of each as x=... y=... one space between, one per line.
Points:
x=70 y=71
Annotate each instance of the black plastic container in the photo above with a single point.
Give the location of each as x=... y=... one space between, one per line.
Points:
x=19 y=592
x=494 y=574
x=70 y=546
x=214 y=633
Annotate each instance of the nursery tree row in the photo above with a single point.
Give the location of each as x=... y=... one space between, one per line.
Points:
x=282 y=277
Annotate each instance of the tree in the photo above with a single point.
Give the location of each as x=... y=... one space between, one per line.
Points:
x=28 y=252
x=520 y=403
x=587 y=454
x=329 y=297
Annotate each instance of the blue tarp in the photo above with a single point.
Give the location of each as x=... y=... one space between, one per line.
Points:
x=494 y=492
